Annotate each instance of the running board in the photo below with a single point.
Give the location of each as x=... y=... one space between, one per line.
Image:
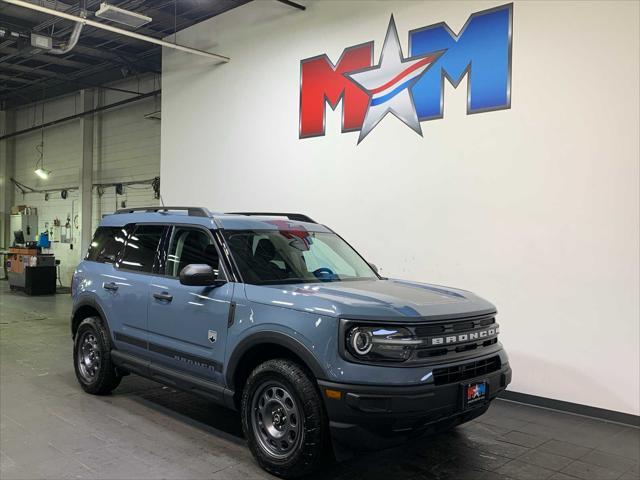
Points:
x=174 y=378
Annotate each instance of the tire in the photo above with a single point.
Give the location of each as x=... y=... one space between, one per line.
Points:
x=92 y=358
x=279 y=397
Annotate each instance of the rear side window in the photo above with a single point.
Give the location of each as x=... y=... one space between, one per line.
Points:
x=106 y=244
x=140 y=250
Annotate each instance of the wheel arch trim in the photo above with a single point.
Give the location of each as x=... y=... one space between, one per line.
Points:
x=271 y=337
x=89 y=302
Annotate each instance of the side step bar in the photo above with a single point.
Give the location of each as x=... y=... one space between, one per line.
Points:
x=180 y=380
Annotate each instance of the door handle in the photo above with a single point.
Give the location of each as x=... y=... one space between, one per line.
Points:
x=167 y=297
x=110 y=286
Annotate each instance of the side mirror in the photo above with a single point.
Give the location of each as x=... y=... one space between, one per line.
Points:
x=109 y=258
x=375 y=269
x=199 y=275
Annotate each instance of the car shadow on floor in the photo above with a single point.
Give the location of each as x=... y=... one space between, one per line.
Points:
x=446 y=455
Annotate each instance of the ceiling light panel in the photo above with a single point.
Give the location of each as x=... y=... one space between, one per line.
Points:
x=120 y=15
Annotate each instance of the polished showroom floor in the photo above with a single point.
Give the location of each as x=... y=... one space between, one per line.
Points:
x=51 y=429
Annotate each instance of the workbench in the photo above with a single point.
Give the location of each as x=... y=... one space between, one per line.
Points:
x=32 y=271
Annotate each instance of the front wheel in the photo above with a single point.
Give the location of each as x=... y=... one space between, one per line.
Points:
x=283 y=419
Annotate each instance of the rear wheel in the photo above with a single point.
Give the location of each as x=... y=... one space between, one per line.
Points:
x=283 y=419
x=92 y=358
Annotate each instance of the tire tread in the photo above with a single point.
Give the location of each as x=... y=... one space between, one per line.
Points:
x=108 y=377
x=313 y=450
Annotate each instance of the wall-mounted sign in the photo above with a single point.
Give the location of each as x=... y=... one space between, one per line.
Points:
x=412 y=87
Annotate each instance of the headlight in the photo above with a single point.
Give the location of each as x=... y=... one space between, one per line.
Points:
x=360 y=341
x=380 y=343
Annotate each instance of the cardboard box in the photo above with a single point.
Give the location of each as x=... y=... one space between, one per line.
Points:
x=18 y=209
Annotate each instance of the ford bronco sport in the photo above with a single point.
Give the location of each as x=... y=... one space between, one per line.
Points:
x=278 y=317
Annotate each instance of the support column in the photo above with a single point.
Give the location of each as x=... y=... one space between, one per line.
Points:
x=7 y=171
x=86 y=171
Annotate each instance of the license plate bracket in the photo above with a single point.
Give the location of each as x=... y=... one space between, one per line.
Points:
x=474 y=394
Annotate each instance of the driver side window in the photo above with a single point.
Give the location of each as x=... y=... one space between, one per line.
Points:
x=188 y=246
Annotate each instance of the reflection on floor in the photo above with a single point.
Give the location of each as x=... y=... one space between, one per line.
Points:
x=50 y=429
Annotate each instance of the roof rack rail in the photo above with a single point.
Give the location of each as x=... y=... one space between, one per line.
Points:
x=298 y=217
x=191 y=211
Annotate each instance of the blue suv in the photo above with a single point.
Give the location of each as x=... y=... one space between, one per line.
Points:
x=277 y=316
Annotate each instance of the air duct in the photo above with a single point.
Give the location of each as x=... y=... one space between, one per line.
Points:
x=67 y=46
x=120 y=31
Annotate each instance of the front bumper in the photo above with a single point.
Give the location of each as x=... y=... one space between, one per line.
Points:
x=375 y=417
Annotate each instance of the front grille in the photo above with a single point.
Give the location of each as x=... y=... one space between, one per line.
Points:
x=467 y=371
x=427 y=330
x=430 y=342
x=464 y=328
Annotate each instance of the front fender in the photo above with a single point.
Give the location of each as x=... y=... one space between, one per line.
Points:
x=309 y=336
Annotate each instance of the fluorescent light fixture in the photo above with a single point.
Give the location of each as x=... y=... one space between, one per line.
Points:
x=120 y=15
x=42 y=173
x=114 y=29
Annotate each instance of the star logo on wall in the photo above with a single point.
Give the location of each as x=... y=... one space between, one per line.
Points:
x=389 y=83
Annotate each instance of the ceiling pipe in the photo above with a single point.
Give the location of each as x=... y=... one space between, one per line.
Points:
x=75 y=116
x=66 y=47
x=293 y=4
x=120 y=31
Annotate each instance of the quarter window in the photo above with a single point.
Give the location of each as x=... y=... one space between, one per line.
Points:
x=107 y=242
x=140 y=250
x=188 y=246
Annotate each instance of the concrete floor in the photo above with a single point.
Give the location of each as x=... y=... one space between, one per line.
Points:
x=50 y=428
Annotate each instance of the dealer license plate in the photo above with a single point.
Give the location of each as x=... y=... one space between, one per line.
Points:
x=474 y=393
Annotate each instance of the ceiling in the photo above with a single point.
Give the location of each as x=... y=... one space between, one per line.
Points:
x=99 y=57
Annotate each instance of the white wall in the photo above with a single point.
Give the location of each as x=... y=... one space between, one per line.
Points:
x=536 y=208
x=126 y=148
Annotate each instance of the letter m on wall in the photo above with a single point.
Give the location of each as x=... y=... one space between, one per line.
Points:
x=322 y=82
x=482 y=50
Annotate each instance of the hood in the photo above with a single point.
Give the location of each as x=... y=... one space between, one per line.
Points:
x=373 y=299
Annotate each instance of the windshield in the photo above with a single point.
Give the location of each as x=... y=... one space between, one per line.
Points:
x=295 y=256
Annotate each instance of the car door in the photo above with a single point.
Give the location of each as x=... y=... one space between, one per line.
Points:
x=187 y=324
x=127 y=287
